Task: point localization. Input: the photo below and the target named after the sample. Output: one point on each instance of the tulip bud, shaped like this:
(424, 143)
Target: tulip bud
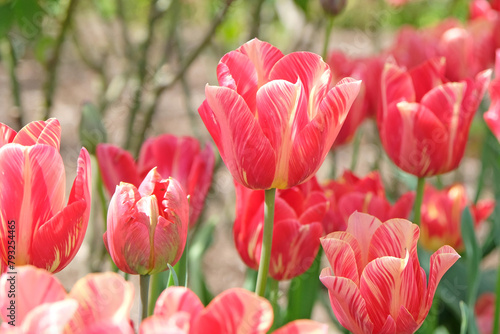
(333, 7)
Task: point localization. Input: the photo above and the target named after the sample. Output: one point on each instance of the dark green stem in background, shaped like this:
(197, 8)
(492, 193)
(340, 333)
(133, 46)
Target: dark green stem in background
(144, 284)
(14, 83)
(328, 32)
(267, 242)
(53, 61)
(417, 208)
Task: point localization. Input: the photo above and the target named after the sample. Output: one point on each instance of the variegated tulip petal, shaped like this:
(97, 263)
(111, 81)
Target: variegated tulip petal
(492, 116)
(103, 298)
(343, 252)
(427, 76)
(116, 165)
(386, 285)
(40, 132)
(294, 248)
(6, 134)
(66, 230)
(36, 175)
(177, 324)
(311, 71)
(178, 299)
(362, 227)
(264, 56)
(238, 137)
(396, 86)
(50, 318)
(389, 326)
(235, 311)
(347, 303)
(475, 91)
(441, 261)
(406, 324)
(34, 287)
(303, 327)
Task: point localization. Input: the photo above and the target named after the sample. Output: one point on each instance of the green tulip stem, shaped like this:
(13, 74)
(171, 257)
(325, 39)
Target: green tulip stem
(267, 241)
(417, 208)
(328, 32)
(144, 284)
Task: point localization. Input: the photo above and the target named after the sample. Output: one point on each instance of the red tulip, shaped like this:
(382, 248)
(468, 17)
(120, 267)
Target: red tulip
(274, 117)
(442, 216)
(375, 282)
(484, 310)
(492, 116)
(424, 122)
(177, 157)
(46, 233)
(147, 227)
(178, 310)
(350, 193)
(297, 228)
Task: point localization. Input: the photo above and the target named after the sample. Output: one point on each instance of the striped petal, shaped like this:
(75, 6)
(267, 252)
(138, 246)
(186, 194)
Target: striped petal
(427, 76)
(116, 165)
(245, 150)
(33, 184)
(396, 86)
(34, 287)
(303, 327)
(362, 227)
(177, 324)
(492, 116)
(7, 135)
(347, 303)
(104, 298)
(441, 261)
(50, 318)
(58, 240)
(343, 252)
(178, 299)
(40, 132)
(264, 56)
(235, 311)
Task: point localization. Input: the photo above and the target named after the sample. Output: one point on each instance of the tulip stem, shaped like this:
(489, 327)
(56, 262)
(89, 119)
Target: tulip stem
(496, 318)
(418, 200)
(267, 241)
(144, 283)
(273, 298)
(328, 32)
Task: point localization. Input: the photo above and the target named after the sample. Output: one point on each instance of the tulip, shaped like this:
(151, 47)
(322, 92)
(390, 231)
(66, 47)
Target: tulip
(179, 310)
(350, 193)
(424, 122)
(274, 117)
(375, 282)
(46, 233)
(147, 227)
(299, 212)
(484, 311)
(442, 216)
(177, 157)
(492, 116)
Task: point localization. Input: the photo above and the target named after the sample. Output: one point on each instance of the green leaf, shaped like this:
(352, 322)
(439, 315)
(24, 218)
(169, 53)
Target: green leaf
(473, 254)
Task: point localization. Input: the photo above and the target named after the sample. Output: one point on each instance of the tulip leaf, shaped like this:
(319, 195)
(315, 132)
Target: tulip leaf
(174, 280)
(473, 255)
(468, 324)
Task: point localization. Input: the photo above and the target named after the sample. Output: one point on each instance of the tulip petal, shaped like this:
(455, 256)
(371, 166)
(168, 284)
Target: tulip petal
(303, 327)
(7, 135)
(104, 298)
(405, 323)
(246, 151)
(362, 227)
(347, 303)
(177, 324)
(403, 206)
(441, 261)
(35, 174)
(40, 132)
(397, 86)
(235, 311)
(50, 318)
(492, 116)
(178, 299)
(427, 76)
(116, 165)
(58, 240)
(343, 252)
(264, 56)
(394, 238)
(34, 287)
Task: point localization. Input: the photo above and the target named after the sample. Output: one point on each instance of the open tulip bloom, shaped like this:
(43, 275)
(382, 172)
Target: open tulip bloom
(492, 116)
(47, 233)
(274, 117)
(375, 282)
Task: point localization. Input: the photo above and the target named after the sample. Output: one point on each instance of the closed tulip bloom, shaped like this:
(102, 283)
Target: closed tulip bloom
(298, 214)
(179, 157)
(274, 117)
(424, 122)
(492, 116)
(46, 232)
(147, 226)
(375, 282)
(442, 216)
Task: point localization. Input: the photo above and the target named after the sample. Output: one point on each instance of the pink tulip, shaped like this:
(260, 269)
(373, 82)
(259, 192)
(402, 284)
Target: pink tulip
(484, 311)
(47, 233)
(147, 227)
(235, 311)
(492, 116)
(375, 282)
(274, 117)
(298, 214)
(177, 157)
(424, 122)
